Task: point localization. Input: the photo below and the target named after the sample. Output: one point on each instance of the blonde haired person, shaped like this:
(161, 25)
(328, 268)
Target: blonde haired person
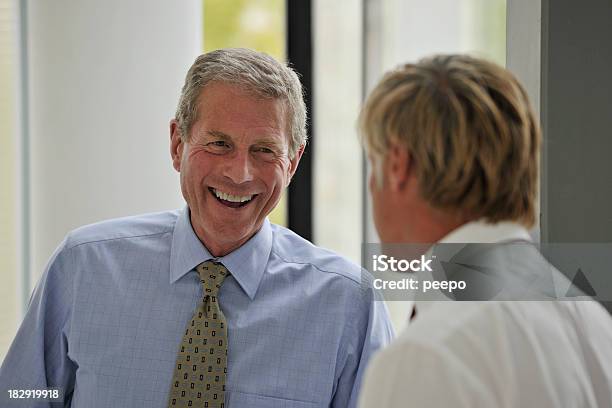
(454, 147)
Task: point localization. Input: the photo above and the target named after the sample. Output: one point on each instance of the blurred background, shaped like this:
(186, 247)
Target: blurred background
(87, 89)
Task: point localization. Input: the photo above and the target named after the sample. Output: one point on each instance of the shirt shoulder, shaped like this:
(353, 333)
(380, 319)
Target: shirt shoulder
(447, 325)
(123, 228)
(418, 372)
(452, 346)
(548, 321)
(292, 248)
(487, 344)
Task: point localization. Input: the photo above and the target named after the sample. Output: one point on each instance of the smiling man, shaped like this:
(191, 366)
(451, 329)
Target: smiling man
(235, 160)
(212, 305)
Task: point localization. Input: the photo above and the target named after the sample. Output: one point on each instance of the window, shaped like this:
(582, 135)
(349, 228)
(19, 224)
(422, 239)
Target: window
(388, 33)
(337, 168)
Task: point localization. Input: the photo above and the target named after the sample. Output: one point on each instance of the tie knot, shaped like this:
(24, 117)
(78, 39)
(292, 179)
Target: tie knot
(212, 275)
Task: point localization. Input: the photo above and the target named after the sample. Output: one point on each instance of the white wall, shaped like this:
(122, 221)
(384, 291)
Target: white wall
(104, 82)
(10, 197)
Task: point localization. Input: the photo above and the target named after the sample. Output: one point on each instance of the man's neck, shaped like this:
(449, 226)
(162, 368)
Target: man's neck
(216, 248)
(432, 226)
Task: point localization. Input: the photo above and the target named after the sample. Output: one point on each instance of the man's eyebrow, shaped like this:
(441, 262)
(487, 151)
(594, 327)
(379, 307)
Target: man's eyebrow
(268, 142)
(219, 134)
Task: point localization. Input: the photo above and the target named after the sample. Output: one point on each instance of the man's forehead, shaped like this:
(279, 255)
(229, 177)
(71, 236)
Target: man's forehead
(229, 91)
(242, 108)
(231, 111)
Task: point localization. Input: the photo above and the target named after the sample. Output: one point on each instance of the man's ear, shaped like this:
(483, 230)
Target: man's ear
(399, 165)
(293, 163)
(176, 145)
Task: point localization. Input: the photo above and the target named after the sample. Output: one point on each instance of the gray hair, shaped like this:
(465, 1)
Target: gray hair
(256, 72)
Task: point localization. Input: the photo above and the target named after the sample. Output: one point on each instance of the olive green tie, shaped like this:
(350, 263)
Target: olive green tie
(201, 364)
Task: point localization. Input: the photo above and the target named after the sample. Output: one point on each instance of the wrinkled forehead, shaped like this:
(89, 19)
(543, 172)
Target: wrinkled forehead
(223, 104)
(244, 88)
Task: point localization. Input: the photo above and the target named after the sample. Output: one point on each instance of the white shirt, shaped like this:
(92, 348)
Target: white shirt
(496, 354)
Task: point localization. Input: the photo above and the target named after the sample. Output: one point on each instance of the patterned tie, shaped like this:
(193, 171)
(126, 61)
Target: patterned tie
(201, 364)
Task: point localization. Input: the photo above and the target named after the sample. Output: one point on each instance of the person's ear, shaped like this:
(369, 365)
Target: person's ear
(176, 145)
(399, 165)
(293, 164)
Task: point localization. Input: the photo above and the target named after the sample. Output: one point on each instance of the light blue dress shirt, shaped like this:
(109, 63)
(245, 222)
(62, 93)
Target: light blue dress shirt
(106, 320)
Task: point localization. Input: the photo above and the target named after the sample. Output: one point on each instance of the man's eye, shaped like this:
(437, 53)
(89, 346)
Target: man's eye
(218, 145)
(265, 150)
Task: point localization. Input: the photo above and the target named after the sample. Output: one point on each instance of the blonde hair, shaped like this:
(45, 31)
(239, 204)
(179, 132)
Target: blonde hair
(470, 131)
(254, 71)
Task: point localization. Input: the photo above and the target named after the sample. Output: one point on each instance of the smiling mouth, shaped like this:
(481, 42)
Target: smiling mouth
(230, 200)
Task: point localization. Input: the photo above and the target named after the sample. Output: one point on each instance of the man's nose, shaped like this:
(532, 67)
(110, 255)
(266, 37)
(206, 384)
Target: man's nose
(239, 168)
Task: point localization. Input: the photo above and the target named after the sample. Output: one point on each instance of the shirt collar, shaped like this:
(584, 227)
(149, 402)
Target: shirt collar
(477, 232)
(484, 233)
(246, 263)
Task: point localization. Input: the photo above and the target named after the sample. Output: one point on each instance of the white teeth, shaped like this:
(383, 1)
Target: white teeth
(232, 198)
